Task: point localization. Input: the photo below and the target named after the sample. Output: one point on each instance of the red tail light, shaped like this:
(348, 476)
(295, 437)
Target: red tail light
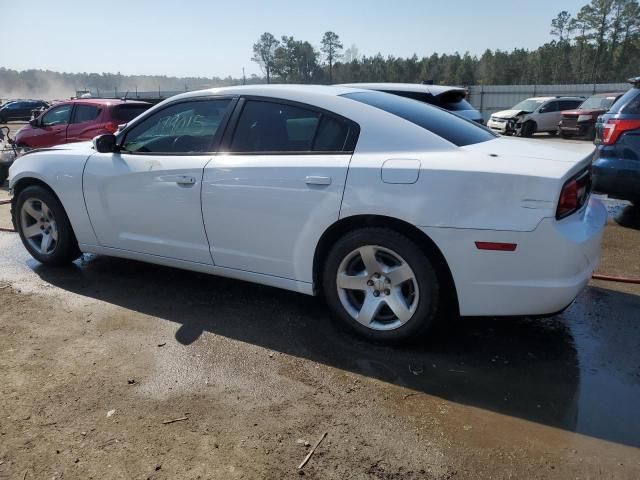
(612, 130)
(111, 127)
(574, 194)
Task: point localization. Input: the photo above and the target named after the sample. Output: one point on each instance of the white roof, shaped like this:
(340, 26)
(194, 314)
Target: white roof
(278, 90)
(376, 124)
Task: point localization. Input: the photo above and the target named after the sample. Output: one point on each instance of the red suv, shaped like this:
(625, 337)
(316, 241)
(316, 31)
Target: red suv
(77, 120)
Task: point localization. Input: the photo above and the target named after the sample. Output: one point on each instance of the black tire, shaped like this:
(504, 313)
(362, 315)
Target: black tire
(424, 316)
(553, 133)
(591, 133)
(565, 135)
(65, 249)
(528, 129)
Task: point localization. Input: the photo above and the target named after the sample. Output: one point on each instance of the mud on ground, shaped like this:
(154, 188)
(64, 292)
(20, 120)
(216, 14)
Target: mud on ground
(97, 356)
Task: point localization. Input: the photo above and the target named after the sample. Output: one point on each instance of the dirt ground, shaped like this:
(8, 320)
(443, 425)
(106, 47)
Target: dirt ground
(97, 357)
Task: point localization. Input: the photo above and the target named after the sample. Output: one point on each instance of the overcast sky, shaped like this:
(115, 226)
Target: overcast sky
(215, 38)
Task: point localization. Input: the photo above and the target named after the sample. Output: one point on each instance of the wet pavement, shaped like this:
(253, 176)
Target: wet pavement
(570, 383)
(578, 371)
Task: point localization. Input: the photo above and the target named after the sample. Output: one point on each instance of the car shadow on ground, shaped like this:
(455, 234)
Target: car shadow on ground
(531, 369)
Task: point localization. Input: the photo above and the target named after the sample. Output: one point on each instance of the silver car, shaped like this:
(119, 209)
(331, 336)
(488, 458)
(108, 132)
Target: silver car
(536, 114)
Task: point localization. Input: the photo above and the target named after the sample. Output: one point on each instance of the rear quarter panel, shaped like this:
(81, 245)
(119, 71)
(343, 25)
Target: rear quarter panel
(456, 189)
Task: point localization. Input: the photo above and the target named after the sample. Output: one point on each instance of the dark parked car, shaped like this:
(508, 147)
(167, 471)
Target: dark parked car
(77, 120)
(616, 168)
(581, 122)
(20, 109)
(449, 98)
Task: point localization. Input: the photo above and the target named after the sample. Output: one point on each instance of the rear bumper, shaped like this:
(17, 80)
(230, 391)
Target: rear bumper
(550, 266)
(617, 177)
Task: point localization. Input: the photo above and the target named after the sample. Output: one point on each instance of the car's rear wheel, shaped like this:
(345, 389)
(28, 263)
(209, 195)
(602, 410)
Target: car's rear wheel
(382, 285)
(44, 227)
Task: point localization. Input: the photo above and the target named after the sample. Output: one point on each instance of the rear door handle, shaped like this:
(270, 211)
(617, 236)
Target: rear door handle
(185, 180)
(317, 180)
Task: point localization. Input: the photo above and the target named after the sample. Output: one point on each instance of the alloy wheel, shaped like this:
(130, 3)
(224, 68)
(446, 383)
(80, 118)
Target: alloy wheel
(377, 287)
(39, 226)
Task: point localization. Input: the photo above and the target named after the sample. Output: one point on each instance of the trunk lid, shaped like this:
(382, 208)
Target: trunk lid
(534, 157)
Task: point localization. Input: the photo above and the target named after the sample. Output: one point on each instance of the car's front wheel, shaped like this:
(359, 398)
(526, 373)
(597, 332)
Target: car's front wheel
(382, 285)
(528, 129)
(44, 227)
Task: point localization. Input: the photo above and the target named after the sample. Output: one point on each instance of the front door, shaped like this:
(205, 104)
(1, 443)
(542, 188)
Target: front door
(52, 129)
(146, 198)
(548, 117)
(267, 201)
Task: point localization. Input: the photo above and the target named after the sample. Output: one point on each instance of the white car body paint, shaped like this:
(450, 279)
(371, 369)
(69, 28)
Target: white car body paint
(260, 217)
(147, 204)
(261, 214)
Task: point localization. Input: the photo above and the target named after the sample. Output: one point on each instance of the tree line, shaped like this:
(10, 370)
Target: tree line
(599, 43)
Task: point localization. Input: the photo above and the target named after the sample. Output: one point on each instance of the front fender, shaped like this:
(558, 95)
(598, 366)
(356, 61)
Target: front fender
(61, 171)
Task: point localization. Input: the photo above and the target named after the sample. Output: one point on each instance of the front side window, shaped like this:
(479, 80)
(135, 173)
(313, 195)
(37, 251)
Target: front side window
(549, 107)
(269, 127)
(85, 113)
(188, 127)
(57, 116)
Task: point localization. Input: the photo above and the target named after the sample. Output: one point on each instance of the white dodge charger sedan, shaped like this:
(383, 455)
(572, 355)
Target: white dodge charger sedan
(389, 207)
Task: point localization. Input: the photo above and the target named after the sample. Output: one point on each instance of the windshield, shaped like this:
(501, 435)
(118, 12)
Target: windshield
(452, 128)
(528, 105)
(599, 103)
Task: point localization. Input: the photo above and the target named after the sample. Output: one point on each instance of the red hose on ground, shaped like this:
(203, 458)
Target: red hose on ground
(613, 278)
(5, 202)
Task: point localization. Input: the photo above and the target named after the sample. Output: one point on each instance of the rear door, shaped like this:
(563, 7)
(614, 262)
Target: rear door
(84, 125)
(146, 197)
(277, 187)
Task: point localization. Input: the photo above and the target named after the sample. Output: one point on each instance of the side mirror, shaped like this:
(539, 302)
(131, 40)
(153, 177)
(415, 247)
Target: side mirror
(34, 122)
(105, 143)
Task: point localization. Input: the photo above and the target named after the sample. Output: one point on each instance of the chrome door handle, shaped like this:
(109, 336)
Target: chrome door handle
(185, 180)
(317, 180)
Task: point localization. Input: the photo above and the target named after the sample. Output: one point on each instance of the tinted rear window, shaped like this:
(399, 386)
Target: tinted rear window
(628, 103)
(126, 113)
(452, 128)
(85, 113)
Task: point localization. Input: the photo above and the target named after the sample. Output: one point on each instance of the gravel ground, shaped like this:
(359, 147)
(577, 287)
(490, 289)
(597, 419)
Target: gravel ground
(97, 356)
